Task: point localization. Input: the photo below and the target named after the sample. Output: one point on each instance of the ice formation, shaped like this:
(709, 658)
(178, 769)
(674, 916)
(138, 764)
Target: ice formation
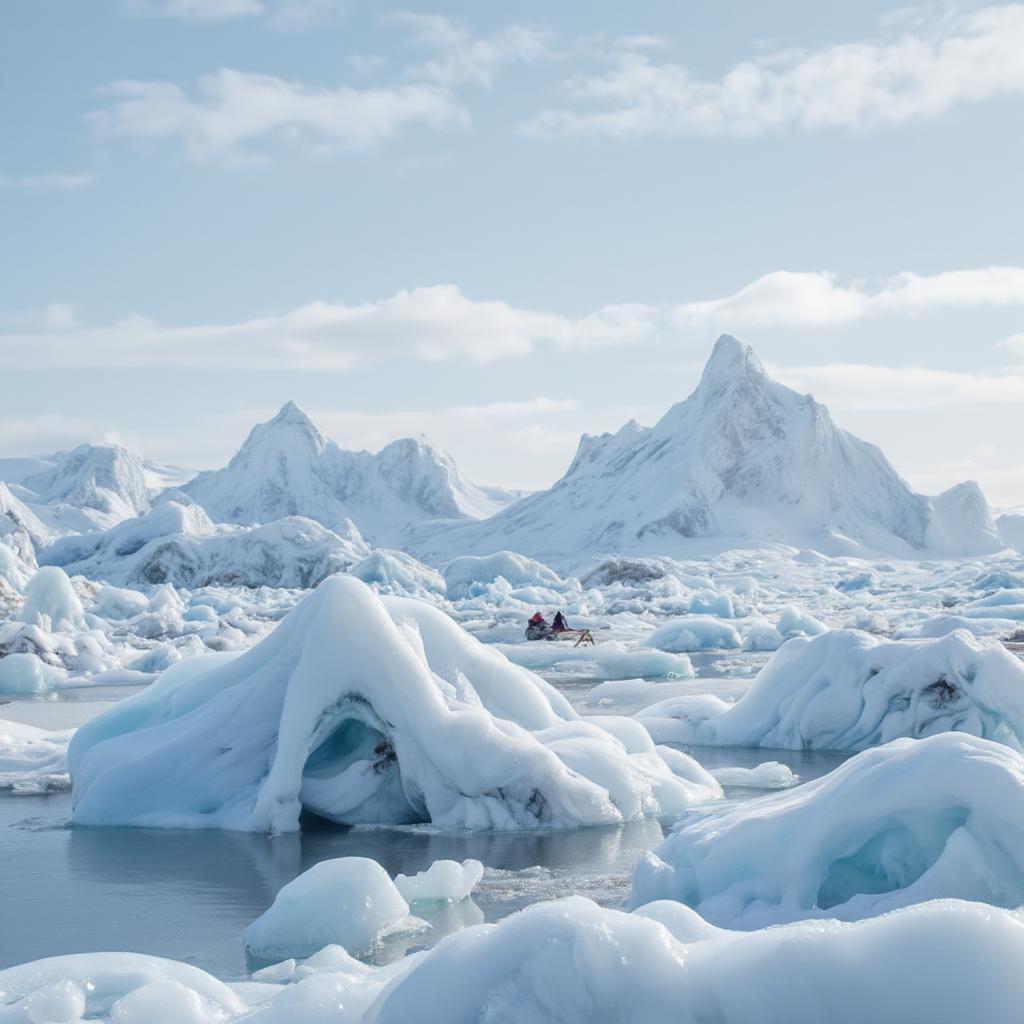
(470, 575)
(695, 633)
(911, 821)
(445, 881)
(32, 760)
(51, 602)
(348, 901)
(366, 709)
(847, 690)
(395, 572)
(178, 544)
(571, 962)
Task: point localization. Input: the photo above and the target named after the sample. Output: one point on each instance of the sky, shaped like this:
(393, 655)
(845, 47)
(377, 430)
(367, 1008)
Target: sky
(503, 225)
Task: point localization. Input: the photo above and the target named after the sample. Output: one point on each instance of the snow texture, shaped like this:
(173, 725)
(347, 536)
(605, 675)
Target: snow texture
(365, 709)
(445, 881)
(32, 760)
(348, 901)
(911, 821)
(742, 458)
(847, 690)
(179, 544)
(572, 962)
(286, 467)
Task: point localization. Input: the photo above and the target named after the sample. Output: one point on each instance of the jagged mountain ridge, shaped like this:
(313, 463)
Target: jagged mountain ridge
(286, 467)
(743, 458)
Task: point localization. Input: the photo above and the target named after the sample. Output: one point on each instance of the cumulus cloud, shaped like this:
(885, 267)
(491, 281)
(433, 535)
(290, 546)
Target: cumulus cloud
(430, 324)
(959, 57)
(465, 59)
(862, 387)
(234, 117)
(817, 299)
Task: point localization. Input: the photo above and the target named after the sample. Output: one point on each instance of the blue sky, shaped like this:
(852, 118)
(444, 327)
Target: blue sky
(506, 224)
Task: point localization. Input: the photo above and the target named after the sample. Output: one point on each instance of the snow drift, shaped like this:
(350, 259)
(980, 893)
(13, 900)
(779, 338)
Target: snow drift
(365, 709)
(743, 458)
(847, 690)
(914, 820)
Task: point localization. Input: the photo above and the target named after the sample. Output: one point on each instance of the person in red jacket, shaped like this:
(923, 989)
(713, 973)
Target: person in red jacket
(537, 628)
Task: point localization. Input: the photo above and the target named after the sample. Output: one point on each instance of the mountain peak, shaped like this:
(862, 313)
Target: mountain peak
(290, 414)
(729, 358)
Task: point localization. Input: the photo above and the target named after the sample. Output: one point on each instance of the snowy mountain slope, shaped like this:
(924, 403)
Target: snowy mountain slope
(744, 458)
(90, 487)
(179, 544)
(287, 467)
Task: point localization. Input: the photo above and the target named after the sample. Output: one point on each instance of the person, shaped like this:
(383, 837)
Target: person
(537, 628)
(560, 625)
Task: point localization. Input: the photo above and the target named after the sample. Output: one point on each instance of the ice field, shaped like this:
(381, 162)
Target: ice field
(261, 762)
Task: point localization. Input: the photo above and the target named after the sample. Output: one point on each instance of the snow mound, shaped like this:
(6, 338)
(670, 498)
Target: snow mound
(348, 901)
(695, 633)
(22, 672)
(471, 575)
(1011, 529)
(743, 459)
(570, 961)
(32, 760)
(286, 467)
(445, 881)
(847, 690)
(178, 544)
(395, 572)
(364, 709)
(912, 821)
(122, 988)
(51, 602)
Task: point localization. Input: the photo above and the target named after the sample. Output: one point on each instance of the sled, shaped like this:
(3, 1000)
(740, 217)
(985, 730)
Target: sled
(582, 637)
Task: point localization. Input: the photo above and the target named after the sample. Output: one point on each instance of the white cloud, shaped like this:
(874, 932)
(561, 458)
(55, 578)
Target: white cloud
(860, 387)
(57, 316)
(234, 116)
(1014, 343)
(284, 14)
(430, 324)
(47, 181)
(465, 59)
(960, 57)
(50, 432)
(816, 299)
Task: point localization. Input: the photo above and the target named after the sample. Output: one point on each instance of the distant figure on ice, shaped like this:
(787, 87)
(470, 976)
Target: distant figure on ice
(537, 628)
(560, 625)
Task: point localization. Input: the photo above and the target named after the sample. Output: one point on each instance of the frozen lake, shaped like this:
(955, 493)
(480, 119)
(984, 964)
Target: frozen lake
(189, 895)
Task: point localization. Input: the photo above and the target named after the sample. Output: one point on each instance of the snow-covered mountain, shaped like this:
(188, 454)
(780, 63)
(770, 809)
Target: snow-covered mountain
(90, 487)
(174, 543)
(743, 458)
(286, 467)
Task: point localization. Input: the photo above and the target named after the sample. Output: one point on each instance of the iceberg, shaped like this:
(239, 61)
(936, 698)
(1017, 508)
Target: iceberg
(912, 821)
(695, 633)
(848, 690)
(348, 901)
(367, 710)
(445, 881)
